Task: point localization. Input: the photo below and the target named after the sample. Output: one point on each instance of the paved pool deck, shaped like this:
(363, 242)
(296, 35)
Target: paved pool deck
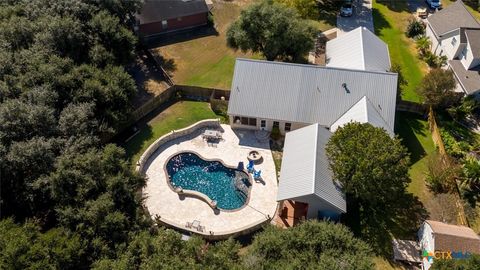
(176, 210)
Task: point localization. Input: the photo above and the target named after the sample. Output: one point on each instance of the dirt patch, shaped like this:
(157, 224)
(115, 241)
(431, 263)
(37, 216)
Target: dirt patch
(320, 47)
(148, 79)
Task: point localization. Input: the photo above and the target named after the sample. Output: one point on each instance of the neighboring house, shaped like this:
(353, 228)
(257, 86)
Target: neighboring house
(305, 175)
(358, 49)
(455, 33)
(268, 94)
(158, 17)
(435, 236)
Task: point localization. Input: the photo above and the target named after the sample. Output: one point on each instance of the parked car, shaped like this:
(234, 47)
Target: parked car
(347, 9)
(434, 3)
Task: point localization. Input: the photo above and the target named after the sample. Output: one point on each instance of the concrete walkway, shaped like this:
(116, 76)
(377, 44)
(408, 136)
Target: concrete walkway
(362, 16)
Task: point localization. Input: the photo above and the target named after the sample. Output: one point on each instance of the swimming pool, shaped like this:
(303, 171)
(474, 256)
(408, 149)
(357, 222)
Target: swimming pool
(229, 187)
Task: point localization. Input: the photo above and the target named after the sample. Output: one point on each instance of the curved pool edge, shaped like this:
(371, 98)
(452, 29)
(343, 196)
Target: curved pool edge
(174, 134)
(205, 197)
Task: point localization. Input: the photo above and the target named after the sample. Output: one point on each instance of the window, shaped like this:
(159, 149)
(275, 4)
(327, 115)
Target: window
(179, 19)
(236, 119)
(244, 120)
(464, 52)
(263, 123)
(288, 126)
(454, 41)
(276, 124)
(164, 24)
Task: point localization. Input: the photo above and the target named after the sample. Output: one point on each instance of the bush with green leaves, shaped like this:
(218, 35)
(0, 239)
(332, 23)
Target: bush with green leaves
(274, 30)
(470, 263)
(415, 28)
(441, 173)
(310, 245)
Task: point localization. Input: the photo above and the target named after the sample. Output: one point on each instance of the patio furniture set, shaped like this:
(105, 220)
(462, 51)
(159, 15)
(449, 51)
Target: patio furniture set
(195, 225)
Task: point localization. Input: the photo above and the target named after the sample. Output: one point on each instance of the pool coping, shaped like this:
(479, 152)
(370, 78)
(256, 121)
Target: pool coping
(200, 195)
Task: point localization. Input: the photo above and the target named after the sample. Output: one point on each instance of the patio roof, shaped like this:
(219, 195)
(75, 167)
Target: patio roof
(305, 169)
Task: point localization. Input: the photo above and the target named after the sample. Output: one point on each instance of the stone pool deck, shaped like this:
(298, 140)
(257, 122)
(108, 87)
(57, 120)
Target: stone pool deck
(176, 210)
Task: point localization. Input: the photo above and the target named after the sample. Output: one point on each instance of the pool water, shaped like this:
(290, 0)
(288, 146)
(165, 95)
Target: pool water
(229, 187)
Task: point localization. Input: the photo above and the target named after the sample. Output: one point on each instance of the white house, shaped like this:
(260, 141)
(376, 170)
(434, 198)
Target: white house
(305, 175)
(358, 49)
(455, 33)
(440, 240)
(265, 94)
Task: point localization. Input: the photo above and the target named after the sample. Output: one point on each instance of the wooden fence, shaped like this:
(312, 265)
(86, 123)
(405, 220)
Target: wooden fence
(436, 136)
(413, 107)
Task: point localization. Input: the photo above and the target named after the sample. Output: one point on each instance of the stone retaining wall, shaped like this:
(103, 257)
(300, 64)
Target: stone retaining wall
(174, 134)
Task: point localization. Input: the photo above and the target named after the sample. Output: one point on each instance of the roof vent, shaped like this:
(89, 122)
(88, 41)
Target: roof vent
(238, 89)
(318, 89)
(344, 85)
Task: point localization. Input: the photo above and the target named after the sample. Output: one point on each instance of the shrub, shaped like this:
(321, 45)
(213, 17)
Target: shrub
(441, 173)
(275, 134)
(415, 28)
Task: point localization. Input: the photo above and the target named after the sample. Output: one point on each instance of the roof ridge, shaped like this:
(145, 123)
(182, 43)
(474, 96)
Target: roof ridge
(379, 114)
(468, 11)
(362, 40)
(317, 126)
(347, 110)
(314, 66)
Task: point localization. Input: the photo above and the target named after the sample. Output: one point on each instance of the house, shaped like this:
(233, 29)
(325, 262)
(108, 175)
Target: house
(358, 49)
(440, 240)
(289, 96)
(158, 17)
(455, 33)
(305, 176)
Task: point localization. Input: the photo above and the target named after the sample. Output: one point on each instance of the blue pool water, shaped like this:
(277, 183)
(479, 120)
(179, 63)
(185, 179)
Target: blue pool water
(229, 187)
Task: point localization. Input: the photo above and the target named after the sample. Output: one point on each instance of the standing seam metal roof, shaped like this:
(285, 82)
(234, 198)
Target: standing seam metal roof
(358, 49)
(306, 93)
(305, 169)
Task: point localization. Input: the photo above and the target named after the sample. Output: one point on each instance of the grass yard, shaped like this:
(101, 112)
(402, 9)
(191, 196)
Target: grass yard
(390, 20)
(205, 60)
(177, 116)
(414, 132)
(416, 136)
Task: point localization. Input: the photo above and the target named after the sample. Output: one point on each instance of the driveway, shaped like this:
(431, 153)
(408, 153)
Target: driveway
(362, 16)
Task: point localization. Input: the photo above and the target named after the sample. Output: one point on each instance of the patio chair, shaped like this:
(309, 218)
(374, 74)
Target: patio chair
(188, 225)
(257, 174)
(250, 167)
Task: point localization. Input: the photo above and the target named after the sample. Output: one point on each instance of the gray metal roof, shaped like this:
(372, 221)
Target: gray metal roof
(158, 10)
(306, 93)
(358, 49)
(363, 112)
(451, 18)
(305, 169)
(473, 36)
(469, 79)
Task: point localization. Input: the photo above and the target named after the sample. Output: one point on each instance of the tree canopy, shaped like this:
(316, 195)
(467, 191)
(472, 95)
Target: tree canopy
(310, 245)
(437, 88)
(272, 29)
(471, 263)
(371, 166)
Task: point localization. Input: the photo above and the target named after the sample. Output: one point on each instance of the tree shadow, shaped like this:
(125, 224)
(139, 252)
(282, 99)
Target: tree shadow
(406, 126)
(397, 5)
(180, 36)
(379, 226)
(379, 22)
(328, 10)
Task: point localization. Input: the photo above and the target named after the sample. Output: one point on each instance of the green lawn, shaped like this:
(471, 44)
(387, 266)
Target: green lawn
(177, 116)
(414, 132)
(390, 21)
